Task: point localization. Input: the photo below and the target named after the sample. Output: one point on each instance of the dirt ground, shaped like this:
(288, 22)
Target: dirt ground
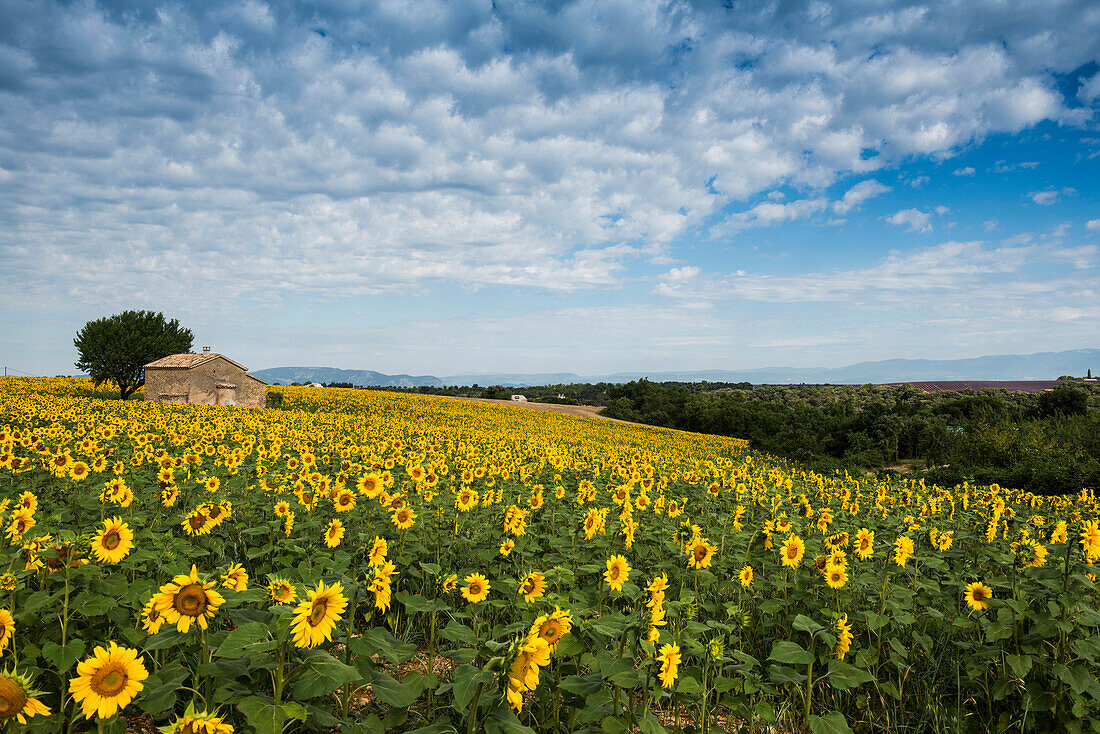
(580, 411)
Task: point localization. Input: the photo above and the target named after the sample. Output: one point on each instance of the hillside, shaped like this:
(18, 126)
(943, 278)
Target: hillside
(1043, 365)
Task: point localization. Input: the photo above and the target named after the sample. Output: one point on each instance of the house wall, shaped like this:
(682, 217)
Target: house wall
(200, 385)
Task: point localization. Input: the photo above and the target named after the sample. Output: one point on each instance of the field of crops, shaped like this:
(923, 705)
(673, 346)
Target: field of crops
(365, 562)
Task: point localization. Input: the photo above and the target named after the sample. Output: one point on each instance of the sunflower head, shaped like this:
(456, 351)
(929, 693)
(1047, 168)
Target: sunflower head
(17, 698)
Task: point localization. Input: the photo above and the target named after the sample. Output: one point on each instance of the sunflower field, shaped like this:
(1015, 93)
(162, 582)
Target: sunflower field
(362, 561)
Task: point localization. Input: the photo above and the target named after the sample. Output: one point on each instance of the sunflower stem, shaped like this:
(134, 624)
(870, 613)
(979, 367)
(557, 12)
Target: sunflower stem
(346, 703)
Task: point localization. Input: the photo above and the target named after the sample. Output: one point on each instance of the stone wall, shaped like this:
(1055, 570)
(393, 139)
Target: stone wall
(217, 382)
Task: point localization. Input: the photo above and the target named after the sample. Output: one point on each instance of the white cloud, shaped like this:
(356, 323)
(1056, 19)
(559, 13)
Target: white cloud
(1050, 196)
(854, 197)
(283, 151)
(990, 224)
(769, 213)
(967, 171)
(914, 219)
(1093, 225)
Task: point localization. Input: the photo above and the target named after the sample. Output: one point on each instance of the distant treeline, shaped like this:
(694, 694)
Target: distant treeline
(574, 394)
(1046, 442)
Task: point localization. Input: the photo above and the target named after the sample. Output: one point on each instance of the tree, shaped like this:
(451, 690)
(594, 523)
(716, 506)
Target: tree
(117, 348)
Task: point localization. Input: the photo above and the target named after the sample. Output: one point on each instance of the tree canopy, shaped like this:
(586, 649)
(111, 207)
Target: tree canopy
(117, 348)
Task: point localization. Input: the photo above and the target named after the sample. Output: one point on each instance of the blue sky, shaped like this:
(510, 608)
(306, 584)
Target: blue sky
(447, 187)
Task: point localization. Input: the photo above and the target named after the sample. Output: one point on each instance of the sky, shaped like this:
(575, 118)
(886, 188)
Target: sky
(471, 185)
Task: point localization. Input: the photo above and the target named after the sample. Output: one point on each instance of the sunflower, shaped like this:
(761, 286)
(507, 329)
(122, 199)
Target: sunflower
(700, 553)
(670, 658)
(113, 542)
(865, 543)
(745, 576)
(28, 501)
(281, 591)
(903, 549)
(836, 576)
(466, 500)
(196, 522)
(345, 500)
(551, 627)
(334, 533)
(792, 551)
(844, 636)
(507, 546)
(1090, 540)
(197, 722)
(79, 471)
(108, 681)
(7, 628)
(532, 586)
(403, 518)
(378, 552)
(450, 583)
(476, 588)
(288, 523)
(169, 496)
(282, 507)
(371, 486)
(618, 570)
(151, 618)
(236, 578)
(381, 585)
(523, 674)
(17, 699)
(211, 484)
(977, 596)
(21, 521)
(187, 601)
(316, 616)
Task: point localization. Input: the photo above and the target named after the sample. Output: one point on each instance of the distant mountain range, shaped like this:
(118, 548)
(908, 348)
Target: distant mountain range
(1041, 366)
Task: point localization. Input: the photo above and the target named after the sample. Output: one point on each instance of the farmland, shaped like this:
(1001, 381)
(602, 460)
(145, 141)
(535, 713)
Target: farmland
(365, 561)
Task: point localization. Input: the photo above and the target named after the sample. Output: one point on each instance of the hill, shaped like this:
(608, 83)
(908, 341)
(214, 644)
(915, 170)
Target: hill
(1043, 365)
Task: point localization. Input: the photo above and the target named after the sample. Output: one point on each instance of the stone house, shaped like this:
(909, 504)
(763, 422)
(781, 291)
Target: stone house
(206, 379)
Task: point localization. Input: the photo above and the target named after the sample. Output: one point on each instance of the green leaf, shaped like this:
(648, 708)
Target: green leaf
(466, 679)
(267, 717)
(164, 639)
(833, 723)
(380, 641)
(250, 640)
(159, 696)
(65, 657)
(688, 684)
(459, 633)
(843, 676)
(502, 720)
(93, 605)
(791, 653)
(783, 674)
(1020, 664)
(802, 623)
(436, 728)
(415, 603)
(321, 673)
(390, 690)
(582, 685)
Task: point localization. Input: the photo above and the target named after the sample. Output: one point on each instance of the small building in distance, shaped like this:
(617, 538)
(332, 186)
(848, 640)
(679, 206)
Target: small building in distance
(519, 398)
(205, 379)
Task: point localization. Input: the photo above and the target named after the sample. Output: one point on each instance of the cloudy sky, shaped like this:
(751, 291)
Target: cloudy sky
(469, 185)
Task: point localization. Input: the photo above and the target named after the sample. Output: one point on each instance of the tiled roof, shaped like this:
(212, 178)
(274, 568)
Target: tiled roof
(188, 361)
